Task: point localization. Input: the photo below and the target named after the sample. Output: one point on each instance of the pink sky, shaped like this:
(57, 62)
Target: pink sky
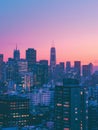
(34, 24)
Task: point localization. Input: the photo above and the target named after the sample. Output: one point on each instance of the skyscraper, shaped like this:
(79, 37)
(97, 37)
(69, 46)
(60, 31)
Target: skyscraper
(22, 66)
(92, 114)
(16, 54)
(52, 58)
(87, 70)
(1, 68)
(77, 67)
(68, 106)
(1, 58)
(68, 66)
(11, 71)
(31, 58)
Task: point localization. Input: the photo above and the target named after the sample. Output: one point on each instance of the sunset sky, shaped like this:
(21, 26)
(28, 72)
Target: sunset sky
(72, 24)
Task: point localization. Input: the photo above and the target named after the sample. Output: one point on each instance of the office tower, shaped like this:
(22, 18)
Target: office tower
(58, 101)
(1, 68)
(77, 68)
(68, 66)
(1, 58)
(22, 71)
(59, 73)
(62, 66)
(40, 74)
(84, 108)
(31, 58)
(44, 63)
(14, 111)
(22, 66)
(28, 80)
(16, 54)
(11, 71)
(68, 106)
(52, 58)
(87, 70)
(92, 114)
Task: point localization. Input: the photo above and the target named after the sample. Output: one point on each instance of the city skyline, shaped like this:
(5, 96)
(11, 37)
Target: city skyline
(34, 24)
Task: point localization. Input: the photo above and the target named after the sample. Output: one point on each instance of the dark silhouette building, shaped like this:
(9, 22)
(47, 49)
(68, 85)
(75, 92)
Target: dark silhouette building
(52, 58)
(92, 114)
(68, 66)
(16, 54)
(77, 68)
(31, 58)
(40, 71)
(2, 67)
(12, 71)
(14, 111)
(87, 70)
(68, 106)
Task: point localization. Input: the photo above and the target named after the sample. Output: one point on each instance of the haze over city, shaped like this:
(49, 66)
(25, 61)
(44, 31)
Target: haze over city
(73, 25)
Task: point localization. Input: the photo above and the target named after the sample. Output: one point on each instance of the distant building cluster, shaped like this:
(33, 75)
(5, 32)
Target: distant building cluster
(37, 95)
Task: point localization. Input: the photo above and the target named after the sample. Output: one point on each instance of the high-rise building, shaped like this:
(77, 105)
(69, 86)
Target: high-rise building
(40, 74)
(59, 73)
(77, 68)
(22, 71)
(44, 64)
(16, 54)
(14, 111)
(22, 66)
(31, 58)
(62, 65)
(52, 58)
(1, 58)
(68, 106)
(68, 66)
(87, 70)
(1, 68)
(58, 101)
(92, 114)
(11, 71)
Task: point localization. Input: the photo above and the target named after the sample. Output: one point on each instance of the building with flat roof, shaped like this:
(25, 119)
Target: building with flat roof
(14, 111)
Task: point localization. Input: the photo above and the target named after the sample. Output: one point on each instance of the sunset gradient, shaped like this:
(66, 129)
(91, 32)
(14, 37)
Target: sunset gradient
(73, 25)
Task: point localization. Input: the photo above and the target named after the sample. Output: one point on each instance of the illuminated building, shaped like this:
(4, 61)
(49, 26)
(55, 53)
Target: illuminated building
(92, 114)
(68, 106)
(22, 66)
(14, 111)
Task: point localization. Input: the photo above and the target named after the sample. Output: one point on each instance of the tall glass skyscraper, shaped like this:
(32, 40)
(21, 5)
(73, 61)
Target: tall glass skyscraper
(69, 100)
(16, 54)
(31, 58)
(52, 58)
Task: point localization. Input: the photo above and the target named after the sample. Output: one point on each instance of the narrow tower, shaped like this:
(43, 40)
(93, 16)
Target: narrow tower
(52, 58)
(16, 54)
